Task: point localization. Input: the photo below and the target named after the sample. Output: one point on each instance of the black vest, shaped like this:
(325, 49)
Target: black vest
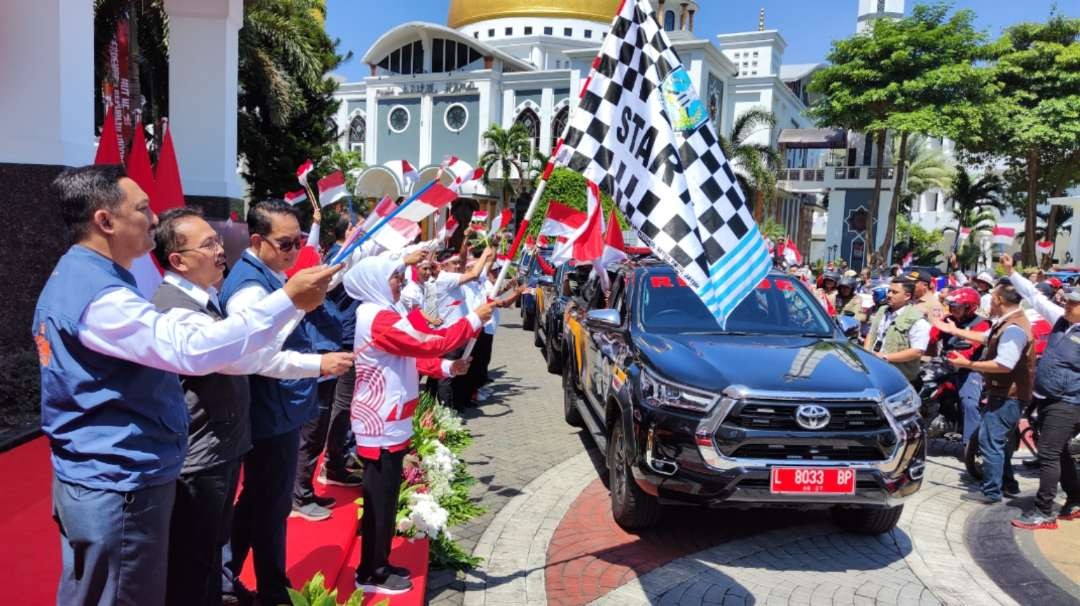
(1057, 377)
(220, 429)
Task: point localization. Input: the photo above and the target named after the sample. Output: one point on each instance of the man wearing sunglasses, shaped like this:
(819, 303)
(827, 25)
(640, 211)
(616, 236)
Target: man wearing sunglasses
(219, 404)
(279, 407)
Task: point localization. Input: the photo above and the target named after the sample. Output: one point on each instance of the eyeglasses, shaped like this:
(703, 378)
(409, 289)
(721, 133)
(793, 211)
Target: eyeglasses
(287, 245)
(209, 246)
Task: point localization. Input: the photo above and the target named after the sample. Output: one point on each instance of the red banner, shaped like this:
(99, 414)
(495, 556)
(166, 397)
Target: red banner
(116, 88)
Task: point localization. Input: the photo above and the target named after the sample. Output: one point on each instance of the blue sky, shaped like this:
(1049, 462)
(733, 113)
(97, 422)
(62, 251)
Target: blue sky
(808, 25)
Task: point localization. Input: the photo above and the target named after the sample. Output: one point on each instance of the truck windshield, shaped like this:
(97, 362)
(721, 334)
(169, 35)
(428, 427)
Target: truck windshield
(778, 306)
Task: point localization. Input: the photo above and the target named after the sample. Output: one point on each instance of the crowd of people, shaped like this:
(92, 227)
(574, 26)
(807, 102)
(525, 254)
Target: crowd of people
(155, 405)
(979, 323)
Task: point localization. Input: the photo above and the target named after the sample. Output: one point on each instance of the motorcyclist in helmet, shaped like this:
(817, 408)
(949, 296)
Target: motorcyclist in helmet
(962, 305)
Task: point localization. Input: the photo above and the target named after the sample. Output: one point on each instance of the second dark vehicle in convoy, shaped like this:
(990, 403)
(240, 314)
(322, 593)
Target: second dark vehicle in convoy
(777, 409)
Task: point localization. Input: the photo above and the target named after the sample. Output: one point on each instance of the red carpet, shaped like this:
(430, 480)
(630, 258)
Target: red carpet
(30, 553)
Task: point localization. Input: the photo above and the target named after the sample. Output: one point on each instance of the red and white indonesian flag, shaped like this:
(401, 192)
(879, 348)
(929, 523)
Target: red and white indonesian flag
(500, 222)
(461, 180)
(908, 258)
(296, 197)
(1004, 235)
(409, 174)
(303, 172)
(433, 199)
(447, 162)
(791, 253)
(614, 247)
(332, 188)
(586, 243)
(479, 216)
(382, 209)
(561, 220)
(965, 233)
(448, 229)
(416, 326)
(1043, 247)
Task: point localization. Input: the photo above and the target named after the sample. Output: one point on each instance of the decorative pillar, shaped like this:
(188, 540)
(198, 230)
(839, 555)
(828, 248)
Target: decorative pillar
(203, 59)
(547, 114)
(691, 12)
(47, 117)
(47, 79)
(427, 120)
(373, 126)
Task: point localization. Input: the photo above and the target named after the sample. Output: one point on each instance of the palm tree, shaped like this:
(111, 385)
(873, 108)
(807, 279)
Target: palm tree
(974, 203)
(755, 164)
(924, 169)
(509, 150)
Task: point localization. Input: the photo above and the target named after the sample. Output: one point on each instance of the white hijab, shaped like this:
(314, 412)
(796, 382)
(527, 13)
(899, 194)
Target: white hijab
(369, 281)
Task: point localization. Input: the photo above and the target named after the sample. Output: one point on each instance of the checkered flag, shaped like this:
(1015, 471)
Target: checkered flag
(642, 133)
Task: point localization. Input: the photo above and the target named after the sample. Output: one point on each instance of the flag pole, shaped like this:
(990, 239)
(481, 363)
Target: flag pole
(345, 252)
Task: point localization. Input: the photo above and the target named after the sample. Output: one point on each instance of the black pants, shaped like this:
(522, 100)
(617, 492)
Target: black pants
(199, 528)
(481, 357)
(382, 481)
(339, 433)
(454, 392)
(262, 511)
(1058, 423)
(312, 440)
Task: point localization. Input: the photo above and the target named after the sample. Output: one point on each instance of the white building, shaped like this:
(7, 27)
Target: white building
(433, 89)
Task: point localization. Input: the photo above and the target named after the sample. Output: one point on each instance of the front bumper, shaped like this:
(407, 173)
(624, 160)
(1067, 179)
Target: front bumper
(680, 460)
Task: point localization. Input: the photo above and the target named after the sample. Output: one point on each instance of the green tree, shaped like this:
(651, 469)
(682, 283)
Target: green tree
(755, 164)
(927, 169)
(974, 204)
(568, 187)
(509, 150)
(911, 75)
(286, 107)
(923, 243)
(1037, 114)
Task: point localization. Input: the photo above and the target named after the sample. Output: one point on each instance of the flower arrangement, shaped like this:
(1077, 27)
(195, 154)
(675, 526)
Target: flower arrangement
(435, 489)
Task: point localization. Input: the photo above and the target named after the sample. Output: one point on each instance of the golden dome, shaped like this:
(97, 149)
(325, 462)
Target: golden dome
(464, 12)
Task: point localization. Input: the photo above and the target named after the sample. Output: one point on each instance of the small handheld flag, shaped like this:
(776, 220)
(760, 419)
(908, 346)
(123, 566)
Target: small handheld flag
(296, 197)
(409, 174)
(303, 172)
(332, 188)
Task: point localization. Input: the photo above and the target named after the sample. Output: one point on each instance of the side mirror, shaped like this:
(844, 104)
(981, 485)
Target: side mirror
(603, 318)
(545, 280)
(849, 326)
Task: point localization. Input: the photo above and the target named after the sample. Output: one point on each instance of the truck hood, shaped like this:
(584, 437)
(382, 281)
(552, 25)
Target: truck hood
(773, 363)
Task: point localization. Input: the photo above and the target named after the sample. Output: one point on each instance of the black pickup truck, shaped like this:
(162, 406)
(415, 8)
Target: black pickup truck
(778, 409)
(552, 295)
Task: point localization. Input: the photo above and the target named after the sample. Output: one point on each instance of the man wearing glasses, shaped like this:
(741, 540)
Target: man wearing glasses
(899, 332)
(279, 407)
(220, 428)
(111, 404)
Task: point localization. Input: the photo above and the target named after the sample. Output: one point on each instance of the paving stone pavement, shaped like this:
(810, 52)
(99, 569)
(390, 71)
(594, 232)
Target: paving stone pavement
(532, 466)
(518, 435)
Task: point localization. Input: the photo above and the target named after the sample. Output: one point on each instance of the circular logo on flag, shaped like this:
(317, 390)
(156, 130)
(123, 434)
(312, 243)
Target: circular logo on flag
(684, 107)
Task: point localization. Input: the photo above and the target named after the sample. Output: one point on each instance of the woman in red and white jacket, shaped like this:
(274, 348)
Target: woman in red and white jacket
(391, 351)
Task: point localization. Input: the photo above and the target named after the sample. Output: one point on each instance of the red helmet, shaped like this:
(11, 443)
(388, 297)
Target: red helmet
(965, 296)
(1055, 283)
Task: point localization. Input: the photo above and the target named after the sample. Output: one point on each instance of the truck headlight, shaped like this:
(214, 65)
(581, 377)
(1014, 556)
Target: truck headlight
(665, 394)
(904, 403)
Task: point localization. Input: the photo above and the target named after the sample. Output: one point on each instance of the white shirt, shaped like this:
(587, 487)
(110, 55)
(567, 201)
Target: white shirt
(1043, 306)
(450, 298)
(412, 296)
(918, 335)
(271, 361)
(121, 324)
(245, 365)
(1010, 346)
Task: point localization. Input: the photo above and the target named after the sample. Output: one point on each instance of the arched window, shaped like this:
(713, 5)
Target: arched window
(531, 122)
(669, 21)
(357, 133)
(558, 125)
(408, 59)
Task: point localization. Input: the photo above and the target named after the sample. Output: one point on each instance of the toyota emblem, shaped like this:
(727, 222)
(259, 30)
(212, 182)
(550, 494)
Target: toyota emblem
(812, 416)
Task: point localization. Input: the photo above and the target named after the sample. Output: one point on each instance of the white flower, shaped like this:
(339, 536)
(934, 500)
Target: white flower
(426, 516)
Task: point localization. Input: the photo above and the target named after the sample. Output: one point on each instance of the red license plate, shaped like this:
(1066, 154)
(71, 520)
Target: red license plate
(812, 480)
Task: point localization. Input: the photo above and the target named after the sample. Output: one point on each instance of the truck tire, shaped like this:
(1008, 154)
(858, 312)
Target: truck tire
(552, 357)
(631, 507)
(570, 399)
(867, 520)
(528, 319)
(537, 341)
